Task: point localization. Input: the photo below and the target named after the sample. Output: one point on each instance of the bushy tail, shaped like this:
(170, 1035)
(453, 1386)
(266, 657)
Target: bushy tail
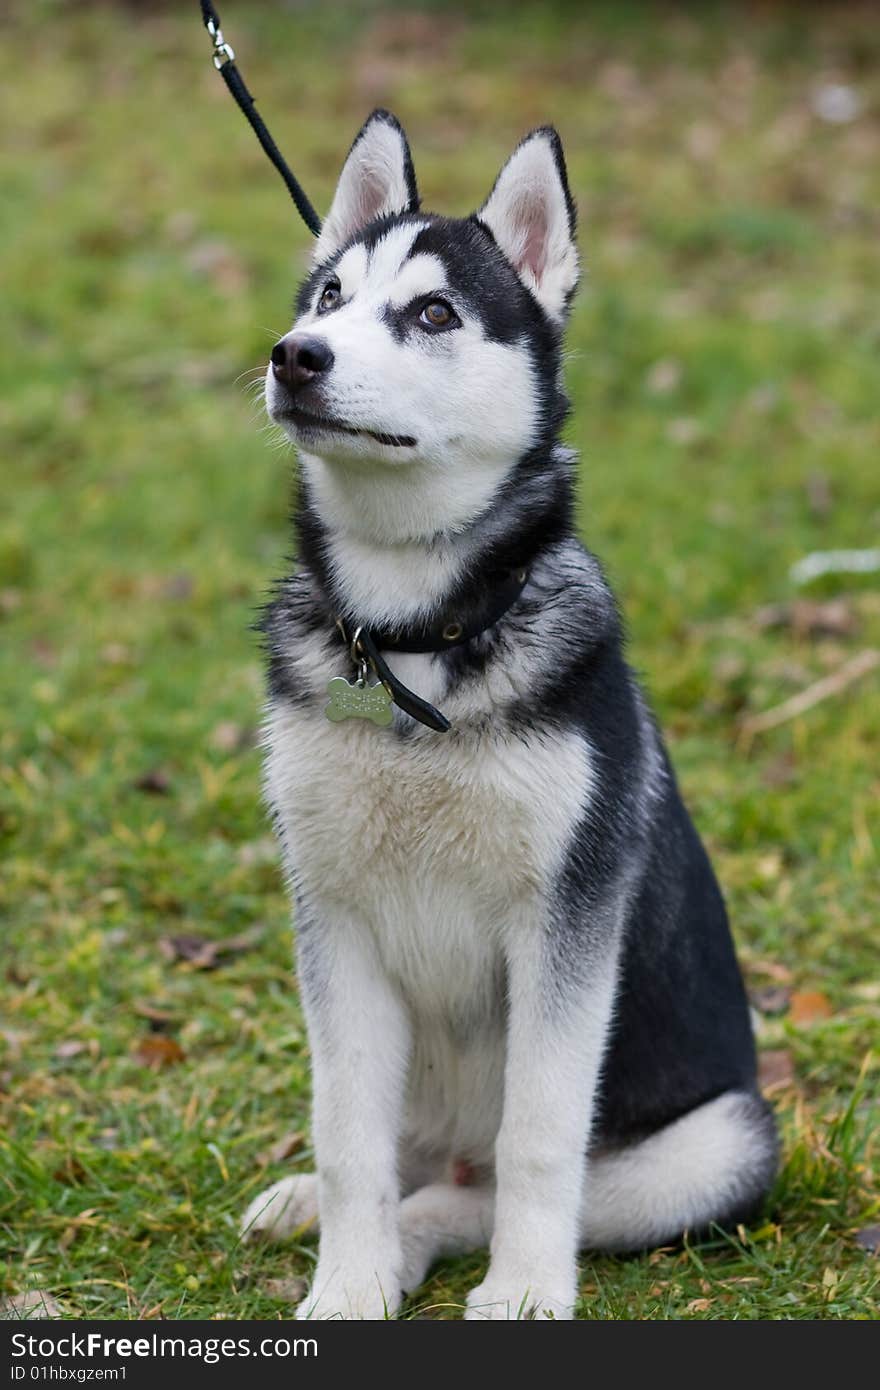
(714, 1165)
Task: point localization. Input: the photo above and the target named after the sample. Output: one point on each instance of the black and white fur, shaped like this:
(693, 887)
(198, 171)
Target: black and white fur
(513, 955)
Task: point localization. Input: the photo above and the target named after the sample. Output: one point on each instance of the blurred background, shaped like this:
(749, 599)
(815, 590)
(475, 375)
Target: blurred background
(723, 369)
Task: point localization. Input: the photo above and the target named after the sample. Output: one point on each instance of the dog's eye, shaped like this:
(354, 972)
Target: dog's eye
(438, 314)
(330, 297)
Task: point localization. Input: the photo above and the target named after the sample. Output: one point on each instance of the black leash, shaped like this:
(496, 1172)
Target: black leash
(224, 62)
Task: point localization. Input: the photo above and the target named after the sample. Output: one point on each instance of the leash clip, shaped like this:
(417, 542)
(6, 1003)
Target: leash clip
(223, 53)
(359, 659)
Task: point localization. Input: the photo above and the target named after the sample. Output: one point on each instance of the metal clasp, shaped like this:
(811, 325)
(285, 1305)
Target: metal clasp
(223, 53)
(358, 657)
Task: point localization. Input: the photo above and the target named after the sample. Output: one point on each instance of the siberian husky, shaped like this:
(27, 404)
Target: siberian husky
(527, 1025)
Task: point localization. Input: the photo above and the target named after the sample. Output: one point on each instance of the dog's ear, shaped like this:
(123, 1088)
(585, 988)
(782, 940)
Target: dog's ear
(377, 180)
(531, 215)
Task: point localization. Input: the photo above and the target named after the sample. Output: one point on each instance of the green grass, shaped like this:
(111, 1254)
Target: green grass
(149, 255)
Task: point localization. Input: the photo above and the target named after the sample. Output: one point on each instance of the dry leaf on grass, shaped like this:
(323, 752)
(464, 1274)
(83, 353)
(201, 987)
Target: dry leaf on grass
(698, 1305)
(157, 1051)
(72, 1047)
(35, 1303)
(203, 952)
(286, 1147)
(159, 1019)
(809, 1006)
(286, 1290)
(775, 1069)
(806, 618)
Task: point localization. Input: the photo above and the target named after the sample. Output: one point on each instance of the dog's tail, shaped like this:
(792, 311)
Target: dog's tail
(713, 1166)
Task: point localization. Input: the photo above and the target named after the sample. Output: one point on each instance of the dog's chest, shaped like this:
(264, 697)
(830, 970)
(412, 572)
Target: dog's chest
(432, 839)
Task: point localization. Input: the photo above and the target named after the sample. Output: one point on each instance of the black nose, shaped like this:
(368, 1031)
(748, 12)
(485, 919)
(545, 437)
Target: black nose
(299, 357)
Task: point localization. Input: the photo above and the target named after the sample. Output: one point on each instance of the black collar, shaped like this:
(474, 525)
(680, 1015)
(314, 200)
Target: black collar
(451, 629)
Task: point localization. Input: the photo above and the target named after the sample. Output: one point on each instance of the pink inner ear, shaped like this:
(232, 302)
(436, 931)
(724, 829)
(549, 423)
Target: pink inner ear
(533, 255)
(370, 201)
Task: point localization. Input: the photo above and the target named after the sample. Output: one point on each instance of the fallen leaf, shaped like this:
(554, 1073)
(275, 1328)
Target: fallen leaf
(806, 618)
(71, 1048)
(771, 999)
(286, 1290)
(809, 1006)
(203, 952)
(698, 1305)
(869, 1239)
(286, 1146)
(159, 1018)
(35, 1303)
(775, 1069)
(197, 950)
(157, 1051)
(155, 781)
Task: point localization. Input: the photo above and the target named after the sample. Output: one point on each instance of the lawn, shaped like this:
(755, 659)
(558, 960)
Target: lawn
(723, 368)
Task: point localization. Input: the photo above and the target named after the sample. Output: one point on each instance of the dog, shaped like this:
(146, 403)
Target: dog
(527, 1024)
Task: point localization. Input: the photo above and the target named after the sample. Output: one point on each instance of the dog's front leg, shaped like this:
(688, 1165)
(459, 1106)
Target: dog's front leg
(359, 1039)
(558, 1017)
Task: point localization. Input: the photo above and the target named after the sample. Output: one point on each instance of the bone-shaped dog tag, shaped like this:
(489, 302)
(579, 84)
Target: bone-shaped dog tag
(357, 700)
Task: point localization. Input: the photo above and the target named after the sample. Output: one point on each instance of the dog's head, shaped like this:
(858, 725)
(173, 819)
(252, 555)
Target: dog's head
(429, 346)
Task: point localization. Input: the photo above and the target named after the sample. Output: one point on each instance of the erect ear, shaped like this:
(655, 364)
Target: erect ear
(531, 215)
(377, 180)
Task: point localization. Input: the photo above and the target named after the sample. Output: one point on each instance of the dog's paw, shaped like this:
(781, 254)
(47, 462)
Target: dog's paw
(285, 1207)
(504, 1299)
(362, 1295)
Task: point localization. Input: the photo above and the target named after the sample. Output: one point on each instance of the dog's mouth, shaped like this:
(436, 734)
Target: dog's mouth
(307, 423)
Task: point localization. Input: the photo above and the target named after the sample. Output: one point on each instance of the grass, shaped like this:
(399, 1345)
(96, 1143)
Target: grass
(723, 370)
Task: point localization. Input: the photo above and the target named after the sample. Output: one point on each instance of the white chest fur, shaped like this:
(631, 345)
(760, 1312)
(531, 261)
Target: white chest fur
(432, 841)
